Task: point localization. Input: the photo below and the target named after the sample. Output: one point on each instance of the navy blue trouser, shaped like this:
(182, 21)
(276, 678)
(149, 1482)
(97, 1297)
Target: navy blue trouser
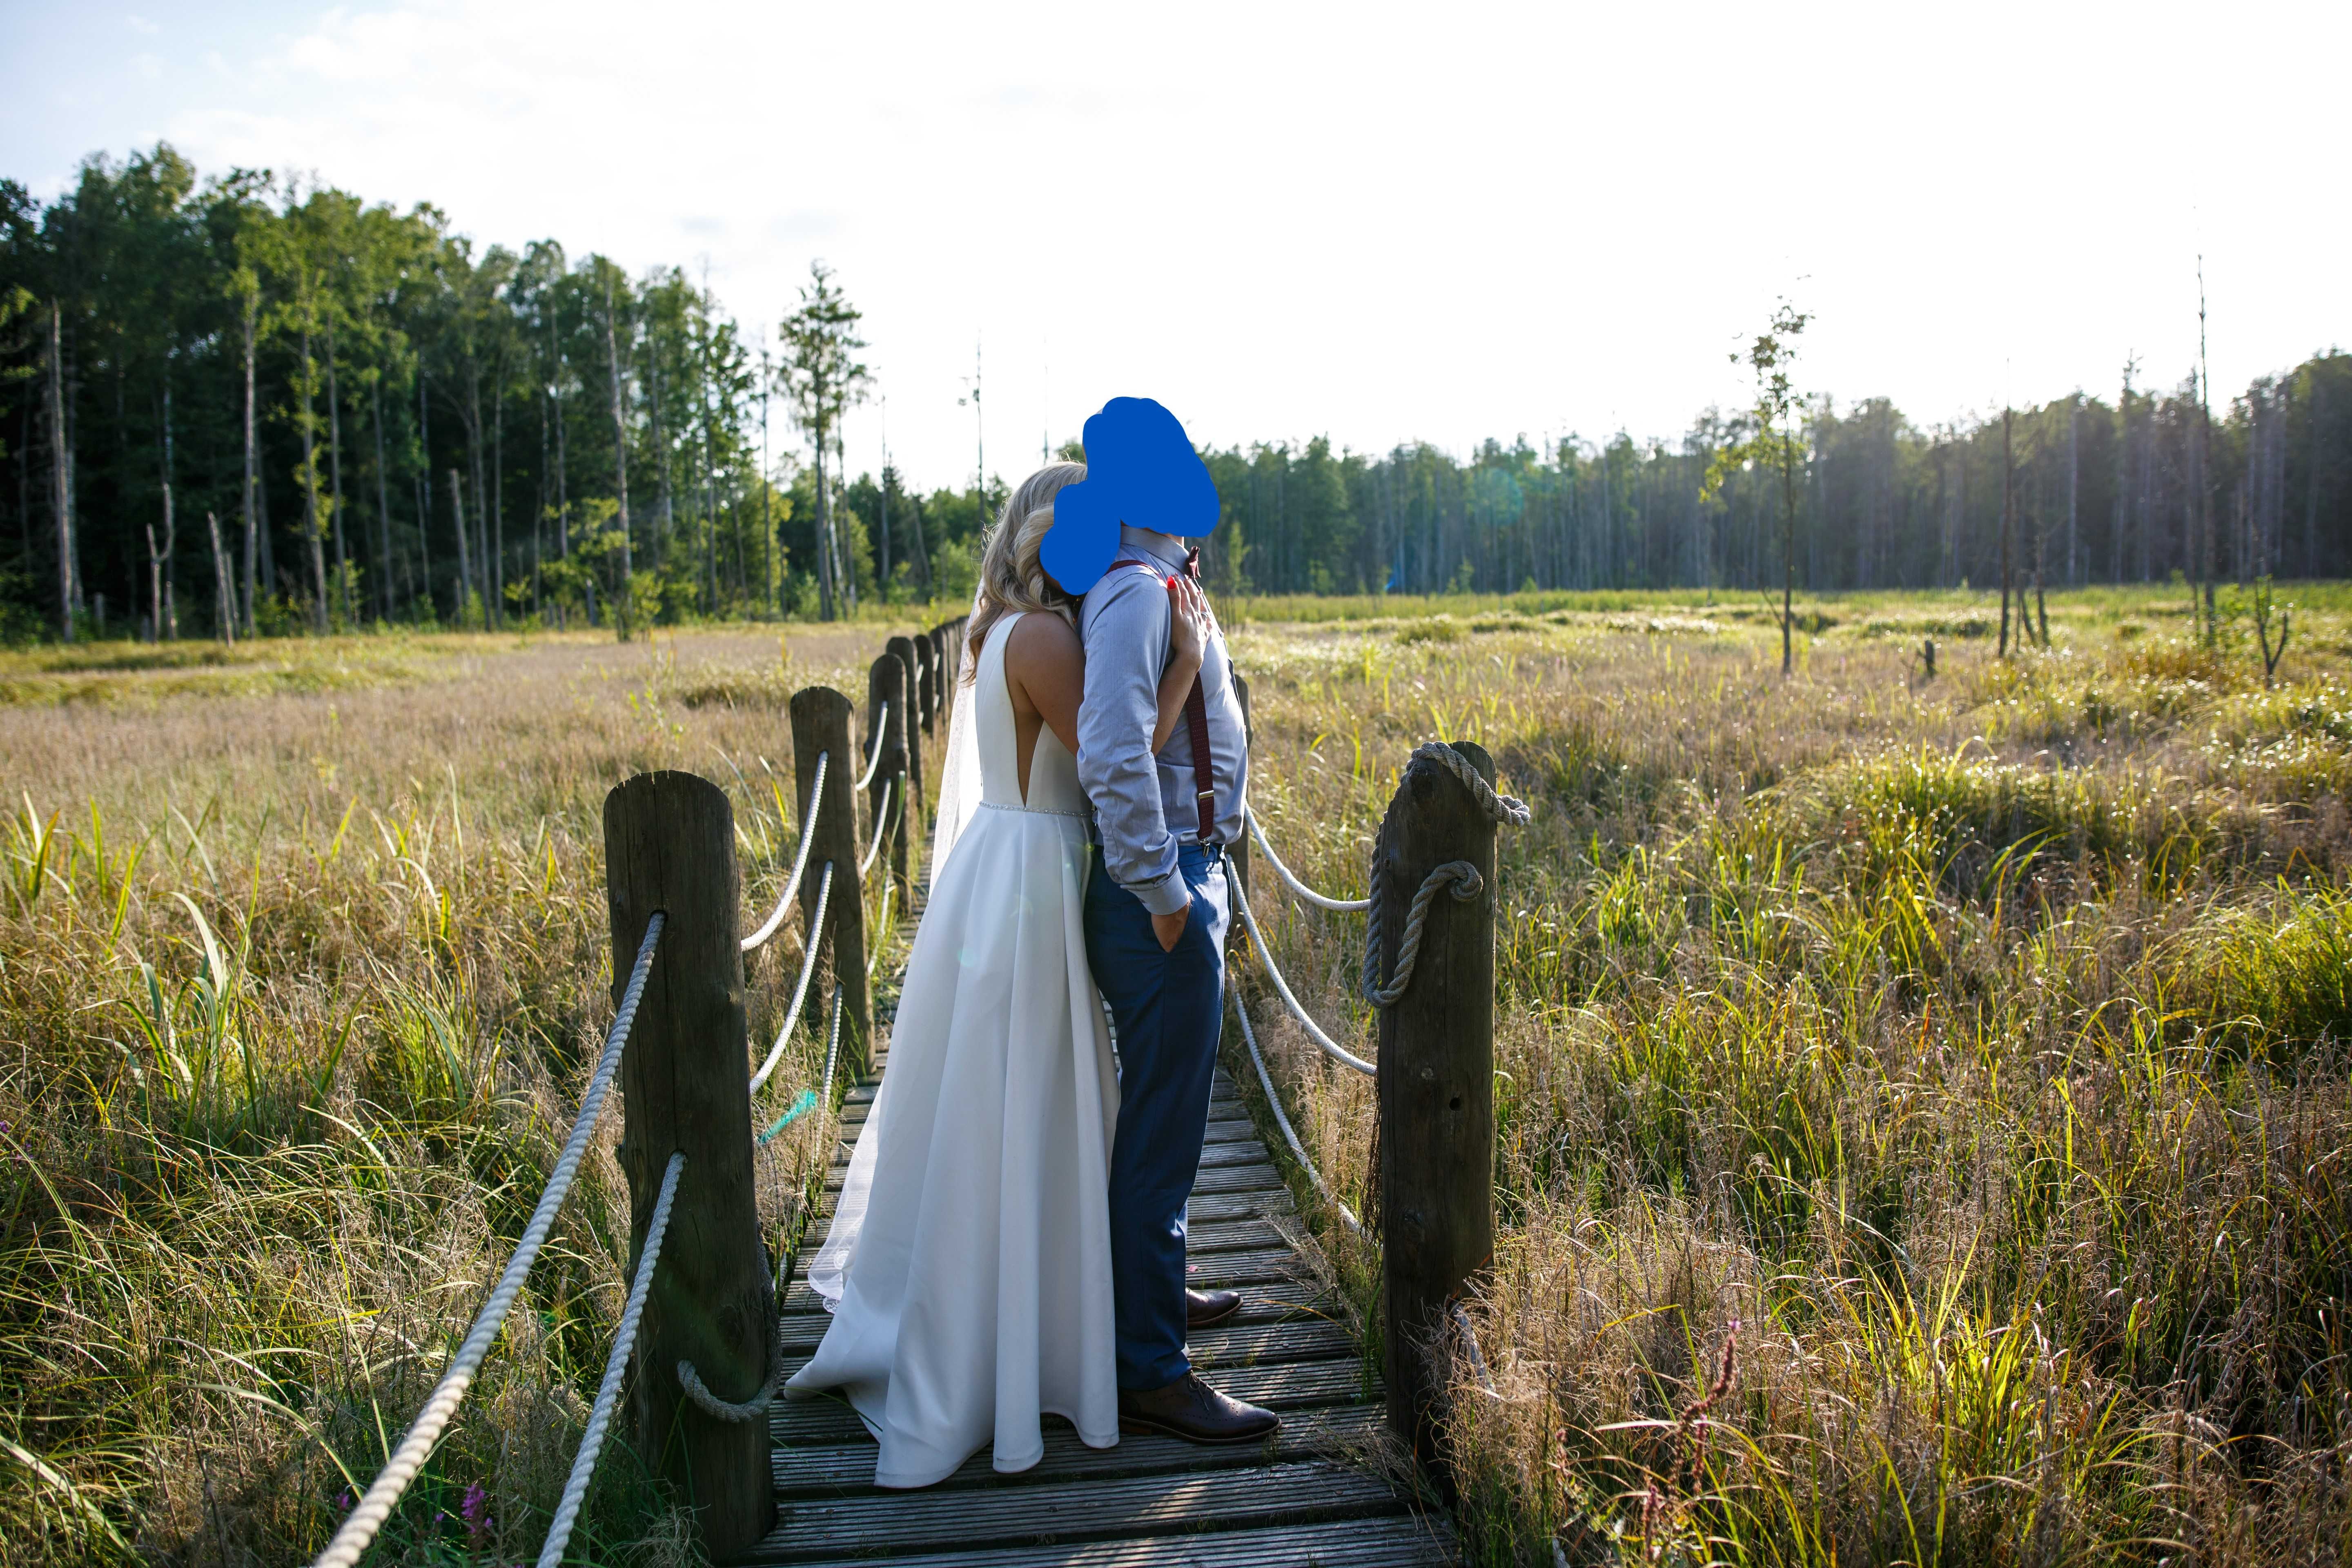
(1168, 1007)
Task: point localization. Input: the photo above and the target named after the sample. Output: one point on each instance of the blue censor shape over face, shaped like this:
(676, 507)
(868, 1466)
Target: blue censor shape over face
(1141, 470)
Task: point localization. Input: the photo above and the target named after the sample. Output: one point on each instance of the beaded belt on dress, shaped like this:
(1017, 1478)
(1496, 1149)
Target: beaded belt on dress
(1034, 810)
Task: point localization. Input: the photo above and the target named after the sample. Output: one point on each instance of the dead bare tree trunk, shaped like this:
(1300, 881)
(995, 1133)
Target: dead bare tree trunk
(2008, 511)
(625, 598)
(465, 559)
(1788, 556)
(61, 493)
(252, 467)
(335, 467)
(313, 525)
(224, 588)
(163, 609)
(2204, 460)
(382, 505)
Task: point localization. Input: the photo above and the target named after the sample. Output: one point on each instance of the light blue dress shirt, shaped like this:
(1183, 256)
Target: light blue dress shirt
(1144, 805)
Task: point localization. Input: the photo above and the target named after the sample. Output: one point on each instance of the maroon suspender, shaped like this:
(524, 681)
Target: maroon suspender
(1196, 716)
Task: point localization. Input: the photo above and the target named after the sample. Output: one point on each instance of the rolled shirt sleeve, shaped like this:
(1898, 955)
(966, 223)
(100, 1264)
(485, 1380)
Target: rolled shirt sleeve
(1125, 622)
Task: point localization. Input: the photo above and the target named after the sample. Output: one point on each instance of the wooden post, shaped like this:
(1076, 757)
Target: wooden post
(669, 845)
(821, 723)
(907, 718)
(886, 809)
(927, 674)
(1237, 853)
(1436, 1081)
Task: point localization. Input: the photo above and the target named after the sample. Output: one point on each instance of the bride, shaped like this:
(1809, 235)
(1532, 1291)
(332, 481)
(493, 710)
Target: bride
(969, 1265)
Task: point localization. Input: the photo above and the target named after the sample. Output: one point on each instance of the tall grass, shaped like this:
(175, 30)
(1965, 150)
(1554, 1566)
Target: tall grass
(1968, 1060)
(299, 985)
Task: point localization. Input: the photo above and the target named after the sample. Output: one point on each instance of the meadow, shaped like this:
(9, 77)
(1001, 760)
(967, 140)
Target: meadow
(1921, 1102)
(303, 967)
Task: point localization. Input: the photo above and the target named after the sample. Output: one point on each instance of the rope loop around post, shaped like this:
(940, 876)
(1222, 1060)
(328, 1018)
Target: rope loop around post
(1503, 810)
(753, 1409)
(1459, 875)
(1462, 877)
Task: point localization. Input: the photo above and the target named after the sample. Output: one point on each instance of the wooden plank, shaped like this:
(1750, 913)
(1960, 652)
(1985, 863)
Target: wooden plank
(1407, 1542)
(1274, 1331)
(1285, 1385)
(847, 1469)
(1231, 1235)
(1213, 1271)
(1238, 1179)
(1213, 1209)
(1282, 1303)
(1221, 1129)
(1071, 1511)
(1256, 1175)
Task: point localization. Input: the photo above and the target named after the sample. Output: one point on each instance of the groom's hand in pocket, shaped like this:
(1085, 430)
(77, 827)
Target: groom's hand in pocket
(1169, 928)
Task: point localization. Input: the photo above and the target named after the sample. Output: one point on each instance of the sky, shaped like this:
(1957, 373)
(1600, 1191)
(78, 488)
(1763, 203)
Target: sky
(1378, 223)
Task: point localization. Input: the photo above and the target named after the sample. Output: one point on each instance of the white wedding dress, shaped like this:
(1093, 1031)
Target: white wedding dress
(968, 1267)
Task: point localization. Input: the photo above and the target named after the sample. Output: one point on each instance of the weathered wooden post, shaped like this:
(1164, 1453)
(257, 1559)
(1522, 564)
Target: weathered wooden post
(821, 723)
(886, 803)
(669, 845)
(1436, 1080)
(926, 674)
(910, 716)
(1237, 853)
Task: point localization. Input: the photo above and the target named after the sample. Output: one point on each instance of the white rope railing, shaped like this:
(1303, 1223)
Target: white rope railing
(832, 1047)
(359, 1528)
(1331, 1047)
(1274, 1103)
(881, 926)
(1343, 906)
(881, 728)
(600, 1417)
(881, 825)
(810, 947)
(757, 939)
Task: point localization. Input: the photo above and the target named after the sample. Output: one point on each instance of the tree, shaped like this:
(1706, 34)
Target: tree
(823, 378)
(1775, 444)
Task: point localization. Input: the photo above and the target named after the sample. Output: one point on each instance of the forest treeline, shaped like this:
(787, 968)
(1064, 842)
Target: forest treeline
(255, 405)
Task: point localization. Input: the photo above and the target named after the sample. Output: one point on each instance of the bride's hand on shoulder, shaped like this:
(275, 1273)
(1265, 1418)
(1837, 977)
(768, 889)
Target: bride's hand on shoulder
(1189, 637)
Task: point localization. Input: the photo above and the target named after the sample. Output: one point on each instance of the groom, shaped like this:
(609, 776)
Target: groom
(1156, 906)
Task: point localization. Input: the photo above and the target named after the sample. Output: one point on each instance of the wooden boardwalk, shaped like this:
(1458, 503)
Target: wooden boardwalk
(1296, 1498)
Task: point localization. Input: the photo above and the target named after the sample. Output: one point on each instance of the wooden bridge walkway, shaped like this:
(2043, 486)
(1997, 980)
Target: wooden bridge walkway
(1303, 1497)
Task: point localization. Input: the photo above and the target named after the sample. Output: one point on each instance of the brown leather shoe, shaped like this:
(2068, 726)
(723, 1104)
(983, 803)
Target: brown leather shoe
(1191, 1409)
(1202, 1308)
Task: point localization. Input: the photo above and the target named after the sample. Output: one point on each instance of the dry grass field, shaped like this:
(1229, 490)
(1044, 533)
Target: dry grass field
(1961, 1063)
(303, 967)
(1922, 1105)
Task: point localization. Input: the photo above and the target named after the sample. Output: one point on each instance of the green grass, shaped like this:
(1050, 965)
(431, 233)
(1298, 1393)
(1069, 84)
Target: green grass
(300, 981)
(1977, 1045)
